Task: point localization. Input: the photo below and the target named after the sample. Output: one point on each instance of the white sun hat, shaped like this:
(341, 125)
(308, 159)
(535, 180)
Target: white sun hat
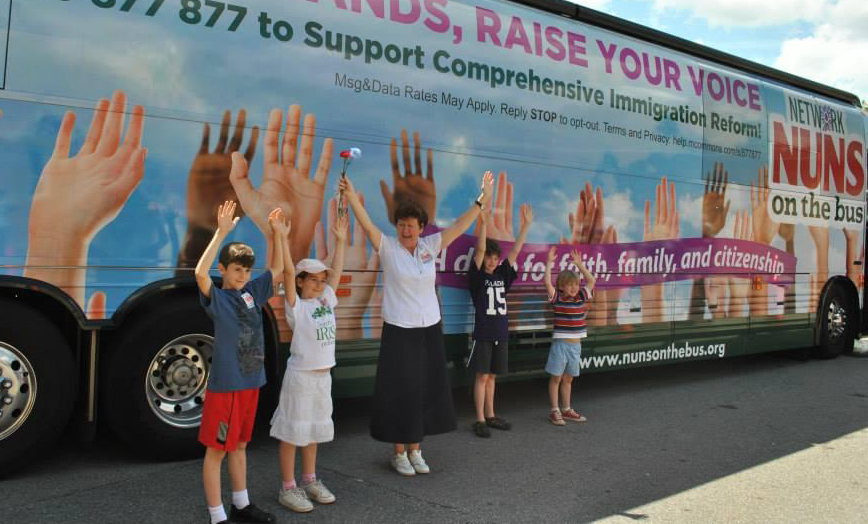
(310, 265)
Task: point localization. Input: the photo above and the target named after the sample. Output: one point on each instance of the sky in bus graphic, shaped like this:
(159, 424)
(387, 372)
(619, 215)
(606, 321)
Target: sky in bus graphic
(660, 114)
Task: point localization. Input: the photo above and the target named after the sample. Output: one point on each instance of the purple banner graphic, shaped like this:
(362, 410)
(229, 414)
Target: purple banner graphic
(634, 263)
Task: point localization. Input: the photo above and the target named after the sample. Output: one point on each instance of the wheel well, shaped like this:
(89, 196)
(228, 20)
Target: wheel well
(149, 300)
(141, 306)
(273, 364)
(852, 294)
(55, 311)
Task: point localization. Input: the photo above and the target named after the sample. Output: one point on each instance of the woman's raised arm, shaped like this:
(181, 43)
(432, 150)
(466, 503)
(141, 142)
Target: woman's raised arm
(373, 232)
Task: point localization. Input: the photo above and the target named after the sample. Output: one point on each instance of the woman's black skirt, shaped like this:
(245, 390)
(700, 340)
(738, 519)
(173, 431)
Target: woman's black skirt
(412, 393)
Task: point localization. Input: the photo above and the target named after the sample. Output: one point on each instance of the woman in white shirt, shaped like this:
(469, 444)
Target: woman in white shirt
(412, 393)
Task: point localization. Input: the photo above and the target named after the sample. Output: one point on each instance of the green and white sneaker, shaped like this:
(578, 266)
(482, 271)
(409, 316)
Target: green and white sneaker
(418, 462)
(402, 465)
(295, 499)
(317, 492)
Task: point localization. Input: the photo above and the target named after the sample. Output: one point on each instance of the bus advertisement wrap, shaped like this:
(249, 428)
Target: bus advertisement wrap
(665, 170)
(720, 204)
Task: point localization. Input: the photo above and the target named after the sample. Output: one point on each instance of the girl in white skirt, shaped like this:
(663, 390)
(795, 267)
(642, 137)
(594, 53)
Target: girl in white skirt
(303, 417)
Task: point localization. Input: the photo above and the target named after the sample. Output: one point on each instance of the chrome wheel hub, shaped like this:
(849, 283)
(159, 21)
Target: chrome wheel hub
(836, 320)
(176, 380)
(17, 389)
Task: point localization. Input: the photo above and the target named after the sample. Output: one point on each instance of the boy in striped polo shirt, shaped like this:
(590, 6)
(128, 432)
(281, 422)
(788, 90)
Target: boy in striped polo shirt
(568, 298)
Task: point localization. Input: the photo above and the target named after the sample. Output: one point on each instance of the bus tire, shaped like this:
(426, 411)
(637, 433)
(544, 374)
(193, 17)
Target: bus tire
(155, 378)
(37, 388)
(836, 323)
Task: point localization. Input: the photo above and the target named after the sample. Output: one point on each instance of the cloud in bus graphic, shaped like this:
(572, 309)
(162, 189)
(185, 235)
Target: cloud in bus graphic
(636, 263)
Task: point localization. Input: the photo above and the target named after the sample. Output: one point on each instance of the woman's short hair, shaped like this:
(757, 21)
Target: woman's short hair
(411, 209)
(566, 277)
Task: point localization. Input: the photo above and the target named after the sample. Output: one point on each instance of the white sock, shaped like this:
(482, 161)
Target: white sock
(239, 499)
(218, 514)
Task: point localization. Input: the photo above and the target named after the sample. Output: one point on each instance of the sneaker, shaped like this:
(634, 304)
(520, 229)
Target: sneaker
(295, 499)
(317, 491)
(498, 423)
(402, 465)
(250, 513)
(481, 429)
(556, 418)
(570, 414)
(418, 462)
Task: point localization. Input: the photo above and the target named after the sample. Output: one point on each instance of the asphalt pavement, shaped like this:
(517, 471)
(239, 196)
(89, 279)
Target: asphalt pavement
(767, 438)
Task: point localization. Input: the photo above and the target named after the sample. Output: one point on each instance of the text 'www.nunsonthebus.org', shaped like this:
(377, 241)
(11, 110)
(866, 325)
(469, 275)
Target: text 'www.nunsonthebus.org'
(672, 352)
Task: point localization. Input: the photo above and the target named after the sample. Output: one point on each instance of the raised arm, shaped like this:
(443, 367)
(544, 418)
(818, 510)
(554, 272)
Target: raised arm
(550, 288)
(208, 185)
(371, 231)
(283, 228)
(464, 221)
(77, 196)
(664, 226)
(226, 221)
(479, 253)
(340, 232)
(590, 279)
(275, 265)
(526, 219)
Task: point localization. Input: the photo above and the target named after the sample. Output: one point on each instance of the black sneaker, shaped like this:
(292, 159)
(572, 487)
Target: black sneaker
(250, 513)
(481, 429)
(497, 423)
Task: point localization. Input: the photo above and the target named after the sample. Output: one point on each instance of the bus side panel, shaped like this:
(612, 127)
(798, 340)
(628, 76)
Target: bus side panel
(650, 163)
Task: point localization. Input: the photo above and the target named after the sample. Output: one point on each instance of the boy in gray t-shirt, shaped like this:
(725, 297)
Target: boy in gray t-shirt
(237, 362)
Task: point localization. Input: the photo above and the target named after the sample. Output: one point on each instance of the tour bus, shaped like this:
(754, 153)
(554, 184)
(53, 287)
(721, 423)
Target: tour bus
(719, 202)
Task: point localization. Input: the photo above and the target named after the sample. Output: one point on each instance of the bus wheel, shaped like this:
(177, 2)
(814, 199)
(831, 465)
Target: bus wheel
(836, 323)
(155, 379)
(37, 385)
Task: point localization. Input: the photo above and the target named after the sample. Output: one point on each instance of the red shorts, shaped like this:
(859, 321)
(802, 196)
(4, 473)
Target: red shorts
(227, 418)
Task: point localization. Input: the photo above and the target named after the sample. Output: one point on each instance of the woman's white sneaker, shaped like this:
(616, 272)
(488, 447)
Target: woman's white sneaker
(402, 465)
(418, 462)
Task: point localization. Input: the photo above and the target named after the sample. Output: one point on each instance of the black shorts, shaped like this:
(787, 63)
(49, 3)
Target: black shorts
(489, 356)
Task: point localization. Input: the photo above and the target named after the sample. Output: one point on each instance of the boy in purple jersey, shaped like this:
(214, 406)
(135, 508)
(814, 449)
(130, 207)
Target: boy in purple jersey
(489, 279)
